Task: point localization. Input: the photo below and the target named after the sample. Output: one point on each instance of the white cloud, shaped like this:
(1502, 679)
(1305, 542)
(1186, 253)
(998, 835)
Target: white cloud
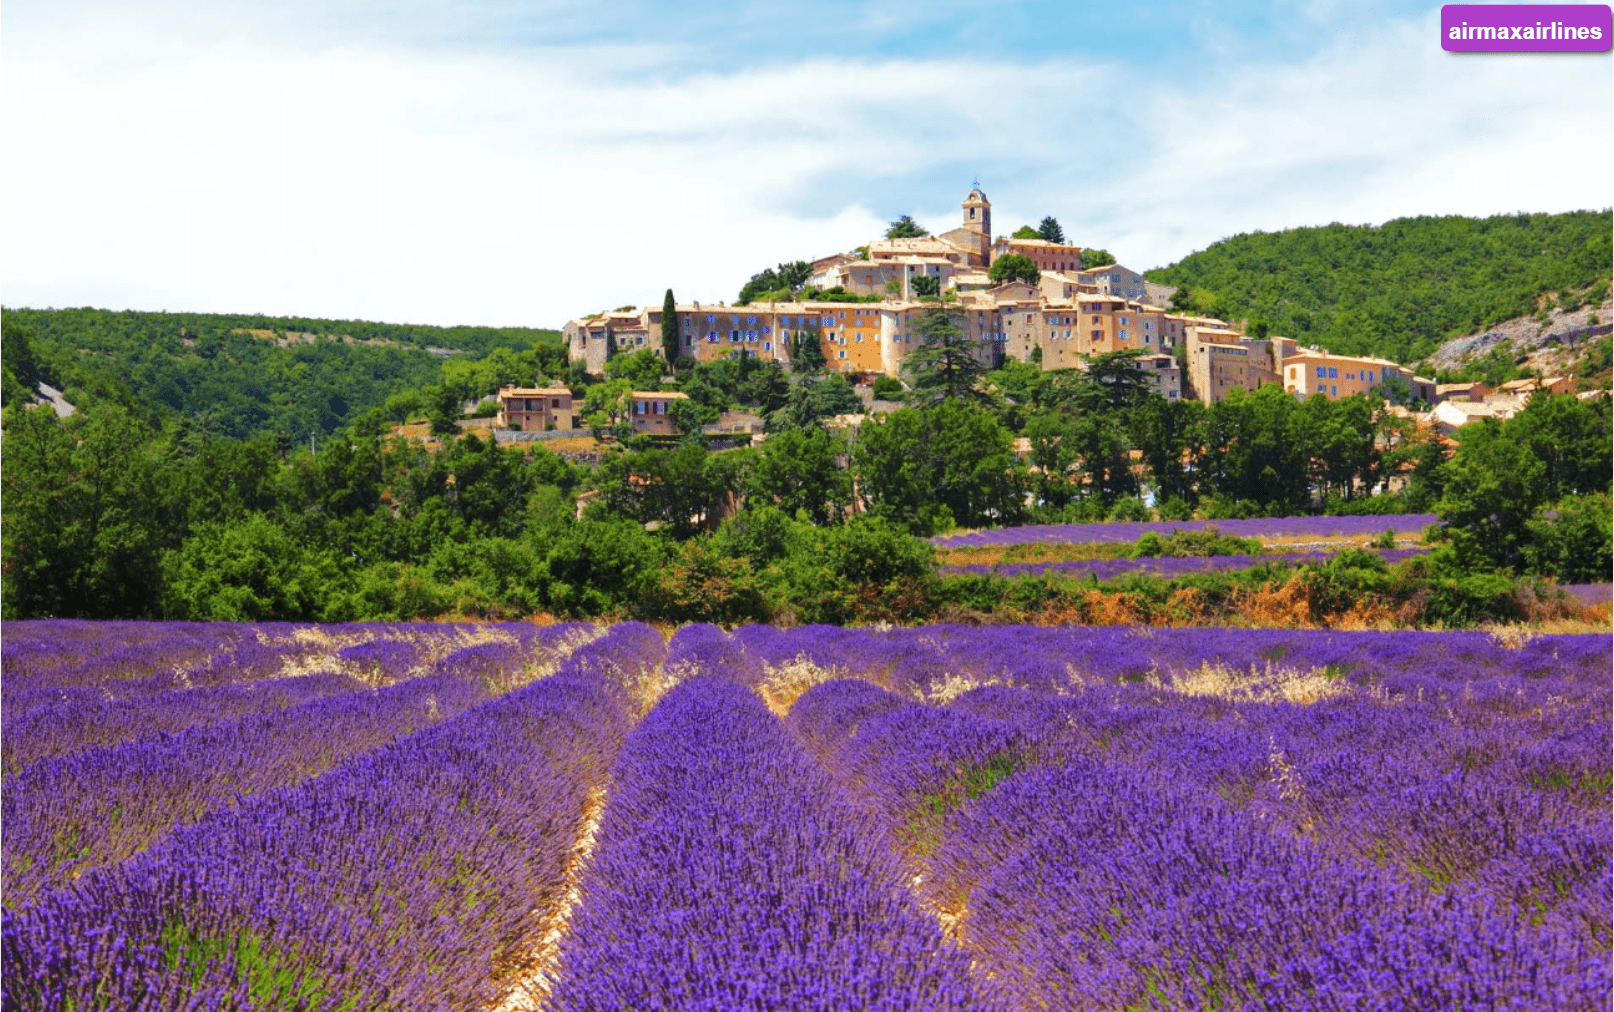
(154, 171)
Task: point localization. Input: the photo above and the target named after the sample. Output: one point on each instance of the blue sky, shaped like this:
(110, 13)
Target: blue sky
(523, 163)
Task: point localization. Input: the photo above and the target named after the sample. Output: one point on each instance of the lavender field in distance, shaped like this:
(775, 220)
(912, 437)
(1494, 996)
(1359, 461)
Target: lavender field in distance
(998, 818)
(1127, 531)
(1164, 566)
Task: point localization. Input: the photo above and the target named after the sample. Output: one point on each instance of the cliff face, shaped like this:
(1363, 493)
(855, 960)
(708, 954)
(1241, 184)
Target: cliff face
(1553, 345)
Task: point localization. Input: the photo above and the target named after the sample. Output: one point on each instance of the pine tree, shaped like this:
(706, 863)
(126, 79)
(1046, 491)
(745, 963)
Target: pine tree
(1050, 230)
(905, 228)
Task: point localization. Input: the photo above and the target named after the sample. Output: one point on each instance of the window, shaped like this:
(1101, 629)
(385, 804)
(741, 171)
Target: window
(1322, 372)
(1333, 372)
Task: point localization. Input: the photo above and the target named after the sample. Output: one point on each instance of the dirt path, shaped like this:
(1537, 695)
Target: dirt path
(531, 992)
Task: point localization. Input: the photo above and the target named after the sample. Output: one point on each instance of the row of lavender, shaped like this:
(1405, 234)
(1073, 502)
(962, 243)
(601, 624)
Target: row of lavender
(1161, 825)
(413, 876)
(116, 763)
(1168, 567)
(72, 685)
(1127, 531)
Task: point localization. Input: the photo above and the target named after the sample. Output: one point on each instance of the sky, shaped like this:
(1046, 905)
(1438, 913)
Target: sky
(521, 163)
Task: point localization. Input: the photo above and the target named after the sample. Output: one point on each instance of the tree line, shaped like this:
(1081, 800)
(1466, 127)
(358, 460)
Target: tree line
(216, 370)
(115, 513)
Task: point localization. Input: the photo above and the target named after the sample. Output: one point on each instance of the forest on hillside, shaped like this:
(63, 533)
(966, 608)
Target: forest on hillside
(1397, 290)
(243, 375)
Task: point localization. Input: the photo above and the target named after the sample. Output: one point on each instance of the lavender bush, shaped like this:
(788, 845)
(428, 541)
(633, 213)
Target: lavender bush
(729, 874)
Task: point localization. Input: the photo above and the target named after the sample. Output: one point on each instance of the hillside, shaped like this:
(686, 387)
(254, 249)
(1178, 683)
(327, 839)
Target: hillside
(1398, 289)
(245, 375)
(1553, 342)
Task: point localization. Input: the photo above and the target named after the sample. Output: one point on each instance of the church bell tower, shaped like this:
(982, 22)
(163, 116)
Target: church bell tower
(978, 213)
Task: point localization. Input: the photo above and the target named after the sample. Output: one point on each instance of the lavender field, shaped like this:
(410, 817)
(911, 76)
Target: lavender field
(1127, 531)
(1168, 566)
(945, 817)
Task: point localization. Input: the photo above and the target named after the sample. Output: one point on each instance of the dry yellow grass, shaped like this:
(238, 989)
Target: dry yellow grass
(1271, 684)
(781, 686)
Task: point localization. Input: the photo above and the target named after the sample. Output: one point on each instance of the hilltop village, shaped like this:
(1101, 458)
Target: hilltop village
(863, 324)
(1069, 315)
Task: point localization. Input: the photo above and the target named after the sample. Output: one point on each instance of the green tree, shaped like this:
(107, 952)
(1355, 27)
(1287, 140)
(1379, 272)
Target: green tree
(926, 287)
(1169, 434)
(783, 281)
(1014, 267)
(606, 408)
(812, 400)
(1026, 232)
(683, 490)
(1572, 539)
(643, 368)
(927, 469)
(946, 363)
(1504, 474)
(248, 570)
(800, 471)
(905, 228)
(1054, 454)
(807, 352)
(1097, 258)
(1050, 231)
(601, 566)
(669, 328)
(1493, 487)
(1252, 453)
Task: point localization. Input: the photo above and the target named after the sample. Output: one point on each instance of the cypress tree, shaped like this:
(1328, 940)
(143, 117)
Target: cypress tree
(1050, 230)
(669, 328)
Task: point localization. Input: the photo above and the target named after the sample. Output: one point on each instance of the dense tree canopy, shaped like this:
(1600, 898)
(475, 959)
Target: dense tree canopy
(245, 375)
(1396, 290)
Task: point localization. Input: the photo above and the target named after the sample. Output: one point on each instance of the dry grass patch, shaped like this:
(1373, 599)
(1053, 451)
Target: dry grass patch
(1271, 684)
